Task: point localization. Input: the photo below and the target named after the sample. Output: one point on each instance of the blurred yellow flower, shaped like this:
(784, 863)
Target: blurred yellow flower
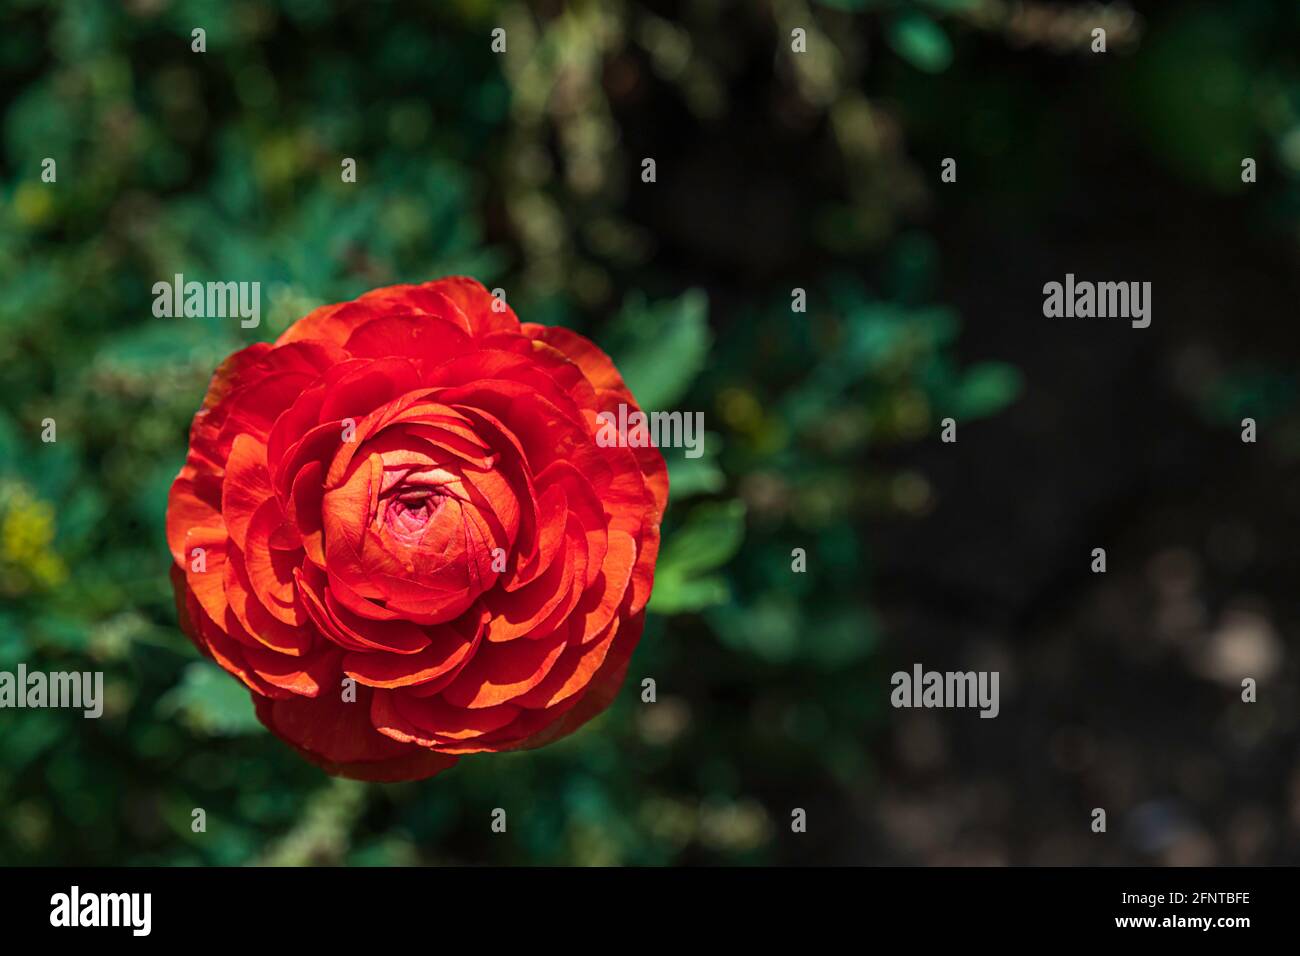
(27, 558)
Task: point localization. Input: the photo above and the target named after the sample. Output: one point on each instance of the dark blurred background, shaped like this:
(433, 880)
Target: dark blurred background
(775, 171)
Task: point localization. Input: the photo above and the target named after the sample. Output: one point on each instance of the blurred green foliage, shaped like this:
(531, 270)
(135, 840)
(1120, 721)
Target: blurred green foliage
(225, 164)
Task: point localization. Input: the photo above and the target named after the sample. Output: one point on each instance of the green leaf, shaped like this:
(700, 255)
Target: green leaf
(211, 702)
(986, 388)
(768, 630)
(695, 476)
(162, 343)
(10, 454)
(709, 539)
(60, 631)
(921, 42)
(1201, 123)
(660, 349)
(674, 594)
(14, 646)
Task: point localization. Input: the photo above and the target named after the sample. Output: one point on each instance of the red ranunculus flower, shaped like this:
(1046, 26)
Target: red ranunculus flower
(407, 490)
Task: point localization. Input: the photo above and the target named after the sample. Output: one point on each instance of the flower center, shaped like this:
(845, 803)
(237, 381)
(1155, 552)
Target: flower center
(408, 514)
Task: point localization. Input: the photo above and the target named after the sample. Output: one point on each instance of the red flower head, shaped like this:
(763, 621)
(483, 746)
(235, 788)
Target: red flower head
(407, 490)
